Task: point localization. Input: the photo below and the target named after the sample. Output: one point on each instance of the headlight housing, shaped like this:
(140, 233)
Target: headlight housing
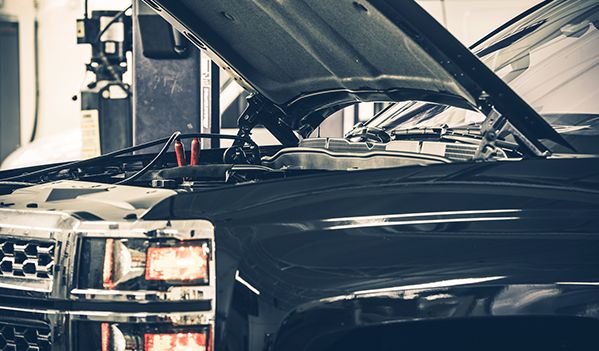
(156, 265)
(160, 275)
(142, 264)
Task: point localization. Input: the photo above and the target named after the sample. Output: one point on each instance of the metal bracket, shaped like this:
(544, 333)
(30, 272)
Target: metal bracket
(497, 126)
(209, 101)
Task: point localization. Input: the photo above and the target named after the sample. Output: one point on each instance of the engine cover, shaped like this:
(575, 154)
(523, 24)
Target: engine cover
(341, 154)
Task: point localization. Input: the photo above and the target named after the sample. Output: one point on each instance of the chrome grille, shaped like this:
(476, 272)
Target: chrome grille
(27, 259)
(15, 337)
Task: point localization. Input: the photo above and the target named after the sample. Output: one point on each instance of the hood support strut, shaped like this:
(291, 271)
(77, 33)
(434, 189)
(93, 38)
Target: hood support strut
(262, 111)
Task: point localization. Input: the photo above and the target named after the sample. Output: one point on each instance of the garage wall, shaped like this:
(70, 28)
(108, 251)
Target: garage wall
(62, 68)
(470, 20)
(24, 11)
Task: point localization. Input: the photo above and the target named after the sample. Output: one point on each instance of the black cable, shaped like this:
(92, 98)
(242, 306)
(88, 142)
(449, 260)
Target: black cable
(150, 164)
(114, 75)
(218, 136)
(89, 160)
(85, 12)
(111, 22)
(36, 73)
(178, 135)
(124, 151)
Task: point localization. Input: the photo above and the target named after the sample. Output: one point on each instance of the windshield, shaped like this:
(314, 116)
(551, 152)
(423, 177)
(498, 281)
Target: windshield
(550, 58)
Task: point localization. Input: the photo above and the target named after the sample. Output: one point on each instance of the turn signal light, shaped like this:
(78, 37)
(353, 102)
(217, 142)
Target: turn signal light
(177, 263)
(107, 281)
(176, 342)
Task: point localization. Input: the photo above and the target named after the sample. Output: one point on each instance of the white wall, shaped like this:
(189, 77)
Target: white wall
(62, 61)
(25, 12)
(470, 20)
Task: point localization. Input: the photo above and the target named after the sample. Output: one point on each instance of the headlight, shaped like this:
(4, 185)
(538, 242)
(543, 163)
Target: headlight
(142, 337)
(141, 264)
(147, 265)
(159, 278)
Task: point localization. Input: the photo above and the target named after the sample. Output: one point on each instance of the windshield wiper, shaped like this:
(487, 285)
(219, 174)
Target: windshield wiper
(467, 135)
(472, 131)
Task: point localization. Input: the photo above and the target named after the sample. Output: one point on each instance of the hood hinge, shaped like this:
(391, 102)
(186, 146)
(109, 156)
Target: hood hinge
(497, 126)
(262, 111)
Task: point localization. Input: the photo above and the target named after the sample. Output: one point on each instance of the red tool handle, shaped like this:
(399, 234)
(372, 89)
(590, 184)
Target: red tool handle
(195, 152)
(180, 152)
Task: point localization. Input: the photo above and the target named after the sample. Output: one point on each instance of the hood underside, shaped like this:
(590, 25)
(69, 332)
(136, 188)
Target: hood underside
(312, 57)
(288, 50)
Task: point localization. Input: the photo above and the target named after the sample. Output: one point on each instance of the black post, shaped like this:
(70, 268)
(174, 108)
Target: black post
(10, 115)
(166, 95)
(210, 88)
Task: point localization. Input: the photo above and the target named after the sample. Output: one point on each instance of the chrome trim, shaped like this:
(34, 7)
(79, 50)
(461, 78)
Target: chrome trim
(176, 318)
(177, 229)
(175, 293)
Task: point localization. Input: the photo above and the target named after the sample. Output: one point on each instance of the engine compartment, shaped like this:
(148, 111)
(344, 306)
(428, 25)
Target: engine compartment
(247, 162)
(312, 156)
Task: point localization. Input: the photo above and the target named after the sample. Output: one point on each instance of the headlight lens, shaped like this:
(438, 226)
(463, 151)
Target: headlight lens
(182, 263)
(175, 341)
(107, 336)
(142, 264)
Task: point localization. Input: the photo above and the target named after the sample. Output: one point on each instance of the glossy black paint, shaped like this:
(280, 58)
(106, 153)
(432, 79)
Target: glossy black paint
(388, 258)
(309, 262)
(446, 242)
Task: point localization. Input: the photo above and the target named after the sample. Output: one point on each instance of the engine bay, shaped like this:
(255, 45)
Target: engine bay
(246, 162)
(315, 155)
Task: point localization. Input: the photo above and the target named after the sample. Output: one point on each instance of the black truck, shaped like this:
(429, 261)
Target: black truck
(464, 216)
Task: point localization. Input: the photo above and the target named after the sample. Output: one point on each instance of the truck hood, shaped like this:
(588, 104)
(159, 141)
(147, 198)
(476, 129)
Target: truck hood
(85, 200)
(311, 57)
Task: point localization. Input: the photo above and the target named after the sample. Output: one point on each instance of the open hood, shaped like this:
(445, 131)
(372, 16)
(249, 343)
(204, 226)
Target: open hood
(312, 57)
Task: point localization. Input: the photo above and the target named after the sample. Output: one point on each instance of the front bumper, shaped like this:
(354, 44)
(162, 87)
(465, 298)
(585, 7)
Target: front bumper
(26, 328)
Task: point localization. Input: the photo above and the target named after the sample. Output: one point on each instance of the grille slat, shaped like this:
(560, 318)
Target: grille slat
(15, 337)
(26, 259)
